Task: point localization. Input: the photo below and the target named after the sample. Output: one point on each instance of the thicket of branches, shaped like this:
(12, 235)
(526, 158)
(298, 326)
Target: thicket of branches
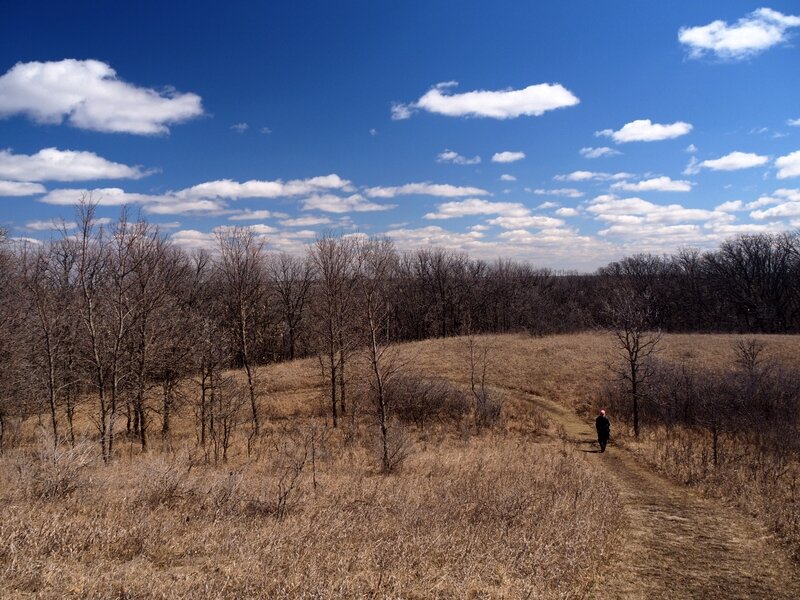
(733, 430)
(116, 315)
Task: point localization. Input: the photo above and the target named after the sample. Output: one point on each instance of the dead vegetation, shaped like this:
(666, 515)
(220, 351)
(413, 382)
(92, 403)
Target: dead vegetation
(493, 516)
(304, 510)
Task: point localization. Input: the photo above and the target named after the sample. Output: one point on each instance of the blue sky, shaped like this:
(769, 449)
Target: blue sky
(565, 133)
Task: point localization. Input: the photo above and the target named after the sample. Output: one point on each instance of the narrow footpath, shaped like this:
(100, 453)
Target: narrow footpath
(680, 545)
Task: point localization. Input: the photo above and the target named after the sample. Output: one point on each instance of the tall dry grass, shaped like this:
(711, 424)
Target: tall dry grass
(493, 516)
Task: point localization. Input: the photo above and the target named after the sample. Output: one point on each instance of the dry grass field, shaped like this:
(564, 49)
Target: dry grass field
(522, 510)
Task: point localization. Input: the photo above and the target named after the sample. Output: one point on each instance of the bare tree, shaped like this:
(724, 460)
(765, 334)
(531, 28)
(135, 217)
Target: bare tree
(241, 274)
(291, 278)
(333, 263)
(377, 264)
(631, 317)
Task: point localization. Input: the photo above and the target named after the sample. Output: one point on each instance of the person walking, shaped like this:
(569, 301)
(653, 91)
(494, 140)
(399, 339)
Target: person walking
(603, 426)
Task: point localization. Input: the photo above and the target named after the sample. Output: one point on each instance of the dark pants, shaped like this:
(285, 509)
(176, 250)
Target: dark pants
(602, 440)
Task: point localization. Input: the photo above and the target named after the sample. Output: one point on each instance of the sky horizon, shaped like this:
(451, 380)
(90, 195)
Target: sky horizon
(566, 135)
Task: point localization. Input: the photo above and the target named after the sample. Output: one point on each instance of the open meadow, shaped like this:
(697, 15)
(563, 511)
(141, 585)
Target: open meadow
(522, 507)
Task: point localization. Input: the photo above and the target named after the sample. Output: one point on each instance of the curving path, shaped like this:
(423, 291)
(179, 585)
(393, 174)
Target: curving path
(680, 545)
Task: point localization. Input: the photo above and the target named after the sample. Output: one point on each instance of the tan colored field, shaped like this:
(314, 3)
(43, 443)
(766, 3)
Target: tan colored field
(524, 511)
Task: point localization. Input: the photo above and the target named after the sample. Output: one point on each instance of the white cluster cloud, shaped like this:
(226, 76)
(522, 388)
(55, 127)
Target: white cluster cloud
(308, 221)
(20, 188)
(730, 162)
(600, 152)
(783, 203)
(793, 122)
(240, 127)
(592, 176)
(565, 192)
(789, 165)
(644, 130)
(656, 184)
(89, 95)
(507, 156)
(475, 206)
(337, 204)
(49, 225)
(227, 188)
(167, 204)
(444, 190)
(507, 177)
(450, 156)
(52, 164)
(750, 35)
(256, 215)
(533, 100)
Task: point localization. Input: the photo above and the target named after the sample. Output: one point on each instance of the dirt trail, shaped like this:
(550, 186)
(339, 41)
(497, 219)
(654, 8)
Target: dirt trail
(680, 544)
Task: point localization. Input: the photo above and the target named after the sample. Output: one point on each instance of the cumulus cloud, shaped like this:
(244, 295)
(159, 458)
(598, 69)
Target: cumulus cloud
(598, 152)
(526, 222)
(644, 130)
(793, 122)
(305, 221)
(592, 176)
(533, 100)
(49, 225)
(450, 156)
(507, 177)
(475, 206)
(20, 188)
(568, 212)
(507, 157)
(656, 224)
(89, 95)
(256, 215)
(733, 162)
(565, 192)
(337, 204)
(52, 164)
(657, 184)
(784, 203)
(240, 127)
(730, 206)
(227, 188)
(750, 35)
(167, 204)
(789, 165)
(444, 190)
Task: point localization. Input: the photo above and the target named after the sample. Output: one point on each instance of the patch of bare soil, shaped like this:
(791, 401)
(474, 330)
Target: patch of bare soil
(680, 544)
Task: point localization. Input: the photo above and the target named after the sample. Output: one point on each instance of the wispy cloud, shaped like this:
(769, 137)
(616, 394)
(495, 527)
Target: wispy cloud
(475, 206)
(533, 100)
(750, 35)
(450, 156)
(565, 192)
(600, 152)
(656, 184)
(89, 95)
(337, 204)
(425, 189)
(592, 176)
(240, 127)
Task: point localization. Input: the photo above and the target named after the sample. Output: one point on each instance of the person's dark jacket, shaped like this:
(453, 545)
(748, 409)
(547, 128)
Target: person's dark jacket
(603, 426)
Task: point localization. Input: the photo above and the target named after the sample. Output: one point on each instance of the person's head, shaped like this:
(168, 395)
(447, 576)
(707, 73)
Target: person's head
(602, 413)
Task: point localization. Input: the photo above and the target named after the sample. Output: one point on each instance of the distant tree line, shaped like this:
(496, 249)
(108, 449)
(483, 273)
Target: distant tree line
(117, 313)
